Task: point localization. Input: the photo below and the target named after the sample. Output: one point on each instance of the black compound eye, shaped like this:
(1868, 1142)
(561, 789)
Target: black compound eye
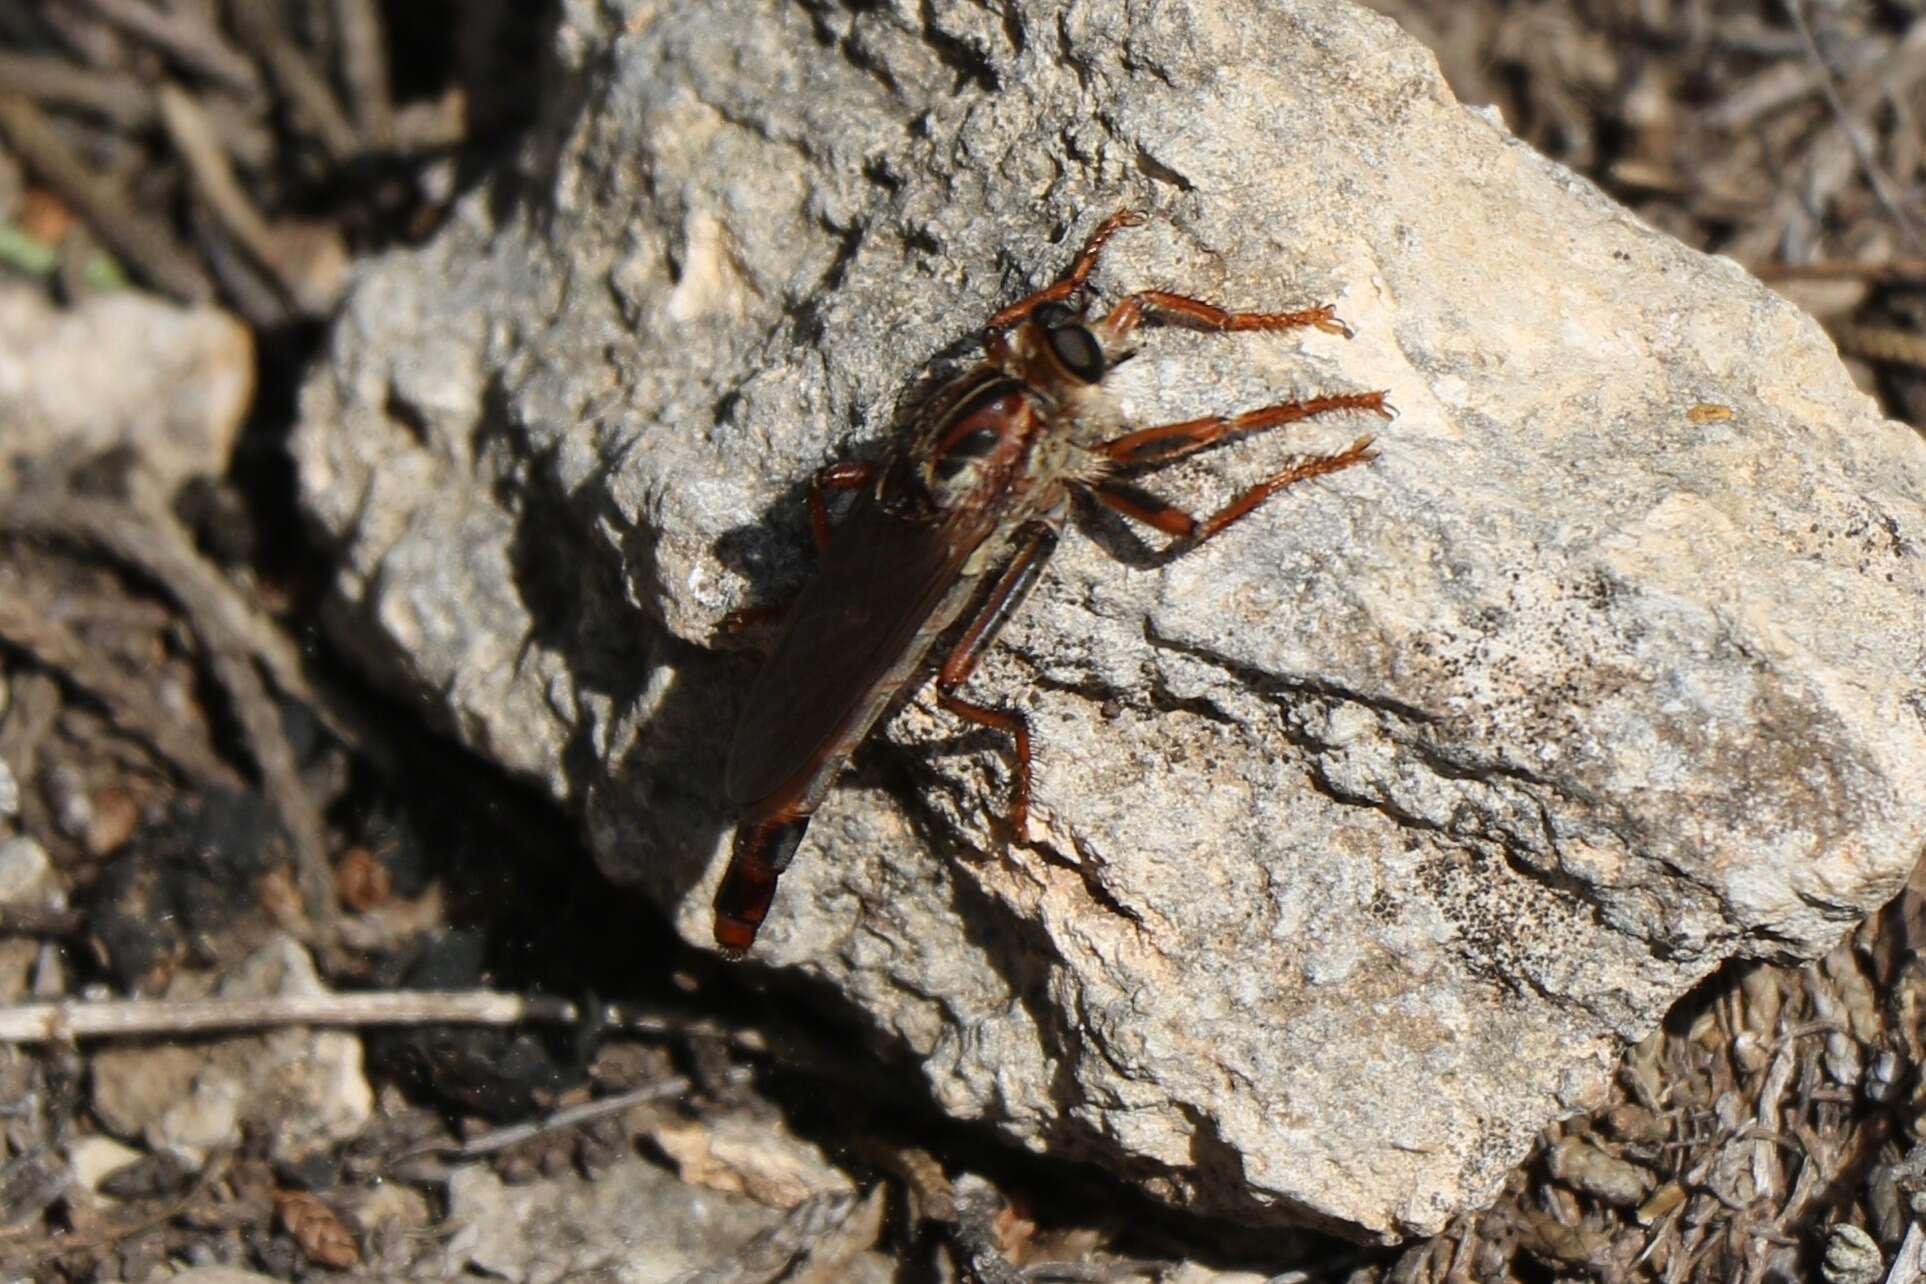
(1053, 314)
(1079, 352)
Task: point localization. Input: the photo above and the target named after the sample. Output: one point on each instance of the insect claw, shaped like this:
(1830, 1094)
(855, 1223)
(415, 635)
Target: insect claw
(1331, 323)
(1385, 408)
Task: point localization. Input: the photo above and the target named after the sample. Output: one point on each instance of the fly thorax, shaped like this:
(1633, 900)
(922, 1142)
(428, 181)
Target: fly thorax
(970, 450)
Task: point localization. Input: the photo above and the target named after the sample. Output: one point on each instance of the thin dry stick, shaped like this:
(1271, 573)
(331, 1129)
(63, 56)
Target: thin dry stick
(29, 920)
(147, 245)
(1106, 1272)
(1882, 343)
(1844, 270)
(1848, 125)
(258, 22)
(182, 36)
(364, 69)
(146, 537)
(128, 700)
(193, 136)
(61, 1244)
(587, 1112)
(123, 1018)
(120, 98)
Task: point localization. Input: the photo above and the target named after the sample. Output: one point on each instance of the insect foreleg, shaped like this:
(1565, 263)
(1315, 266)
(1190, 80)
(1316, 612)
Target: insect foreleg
(1131, 311)
(847, 475)
(1072, 280)
(1167, 442)
(1191, 532)
(1035, 542)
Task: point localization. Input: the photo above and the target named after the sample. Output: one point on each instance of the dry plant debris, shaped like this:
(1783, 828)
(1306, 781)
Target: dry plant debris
(272, 132)
(1781, 133)
(1770, 1131)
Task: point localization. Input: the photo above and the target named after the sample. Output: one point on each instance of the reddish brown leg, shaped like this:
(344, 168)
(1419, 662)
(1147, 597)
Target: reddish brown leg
(839, 476)
(847, 475)
(1128, 313)
(1073, 279)
(1174, 521)
(1166, 442)
(1034, 544)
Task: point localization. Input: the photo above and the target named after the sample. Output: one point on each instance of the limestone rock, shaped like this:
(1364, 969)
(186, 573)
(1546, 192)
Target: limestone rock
(123, 370)
(1369, 833)
(94, 1158)
(304, 1087)
(634, 1224)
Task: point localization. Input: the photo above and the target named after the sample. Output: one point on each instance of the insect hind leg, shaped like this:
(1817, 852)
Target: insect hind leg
(1034, 545)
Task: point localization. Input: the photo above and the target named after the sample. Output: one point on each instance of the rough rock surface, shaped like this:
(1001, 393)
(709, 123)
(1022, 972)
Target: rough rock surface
(122, 370)
(1367, 834)
(303, 1088)
(634, 1224)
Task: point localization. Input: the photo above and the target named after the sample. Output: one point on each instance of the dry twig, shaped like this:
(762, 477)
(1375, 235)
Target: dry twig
(193, 136)
(56, 82)
(568, 1117)
(1882, 343)
(144, 243)
(146, 537)
(182, 35)
(129, 701)
(127, 1018)
(260, 27)
(364, 69)
(1851, 127)
(48, 1248)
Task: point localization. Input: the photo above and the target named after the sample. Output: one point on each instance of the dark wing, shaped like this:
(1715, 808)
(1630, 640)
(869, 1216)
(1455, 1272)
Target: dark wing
(889, 584)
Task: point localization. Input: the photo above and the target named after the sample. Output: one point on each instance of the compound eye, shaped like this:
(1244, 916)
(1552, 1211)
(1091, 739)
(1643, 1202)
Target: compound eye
(1053, 314)
(1079, 352)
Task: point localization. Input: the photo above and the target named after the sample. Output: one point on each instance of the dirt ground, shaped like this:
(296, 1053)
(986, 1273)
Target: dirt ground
(381, 1018)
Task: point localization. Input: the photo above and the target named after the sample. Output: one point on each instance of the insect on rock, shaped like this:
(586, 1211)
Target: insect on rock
(960, 516)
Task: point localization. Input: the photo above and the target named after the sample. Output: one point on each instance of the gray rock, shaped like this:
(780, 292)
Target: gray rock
(27, 877)
(123, 370)
(634, 1224)
(303, 1087)
(1368, 834)
(94, 1158)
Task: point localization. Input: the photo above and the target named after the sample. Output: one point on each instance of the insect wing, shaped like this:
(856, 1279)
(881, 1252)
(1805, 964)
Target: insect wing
(888, 585)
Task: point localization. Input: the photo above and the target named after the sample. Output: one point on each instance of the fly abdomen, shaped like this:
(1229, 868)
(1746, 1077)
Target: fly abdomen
(761, 854)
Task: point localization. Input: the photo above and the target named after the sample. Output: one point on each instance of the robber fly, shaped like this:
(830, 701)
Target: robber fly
(976, 489)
